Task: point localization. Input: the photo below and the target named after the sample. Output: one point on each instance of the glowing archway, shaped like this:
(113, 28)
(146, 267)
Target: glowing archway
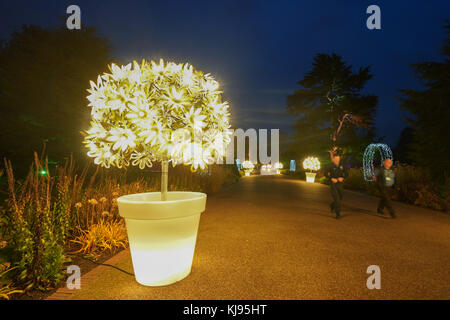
(369, 153)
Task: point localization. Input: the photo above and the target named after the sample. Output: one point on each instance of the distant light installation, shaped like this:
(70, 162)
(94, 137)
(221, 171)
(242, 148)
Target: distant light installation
(267, 169)
(311, 164)
(292, 166)
(278, 166)
(238, 164)
(248, 167)
(369, 154)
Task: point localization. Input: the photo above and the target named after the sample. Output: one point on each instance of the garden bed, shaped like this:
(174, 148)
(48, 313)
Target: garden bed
(69, 213)
(77, 259)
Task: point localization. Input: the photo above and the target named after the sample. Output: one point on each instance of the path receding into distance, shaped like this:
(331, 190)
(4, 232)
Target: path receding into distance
(269, 237)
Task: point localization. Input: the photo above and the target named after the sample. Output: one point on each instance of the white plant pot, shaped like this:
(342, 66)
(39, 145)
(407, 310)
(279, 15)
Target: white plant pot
(162, 234)
(310, 177)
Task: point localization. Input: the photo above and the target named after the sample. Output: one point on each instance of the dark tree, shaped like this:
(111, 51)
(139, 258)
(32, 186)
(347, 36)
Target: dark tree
(44, 74)
(402, 151)
(430, 110)
(332, 110)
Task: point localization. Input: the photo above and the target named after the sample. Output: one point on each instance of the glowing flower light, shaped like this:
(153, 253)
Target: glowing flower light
(165, 112)
(278, 166)
(248, 167)
(137, 109)
(269, 169)
(311, 164)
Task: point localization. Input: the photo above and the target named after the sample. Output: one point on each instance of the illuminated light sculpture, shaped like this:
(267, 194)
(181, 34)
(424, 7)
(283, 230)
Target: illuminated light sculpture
(369, 154)
(238, 164)
(267, 169)
(145, 113)
(271, 169)
(248, 167)
(311, 164)
(292, 166)
(278, 166)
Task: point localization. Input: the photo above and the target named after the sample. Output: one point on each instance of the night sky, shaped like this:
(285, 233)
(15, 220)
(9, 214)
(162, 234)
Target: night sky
(258, 50)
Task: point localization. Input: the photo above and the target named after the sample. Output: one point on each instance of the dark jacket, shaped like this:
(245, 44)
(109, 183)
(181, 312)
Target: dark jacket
(333, 171)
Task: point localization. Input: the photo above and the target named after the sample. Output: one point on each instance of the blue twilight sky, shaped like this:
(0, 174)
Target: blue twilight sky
(258, 50)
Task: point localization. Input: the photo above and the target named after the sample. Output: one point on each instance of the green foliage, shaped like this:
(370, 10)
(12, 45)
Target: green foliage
(46, 213)
(402, 151)
(34, 230)
(355, 179)
(323, 180)
(430, 110)
(6, 291)
(413, 185)
(329, 91)
(104, 236)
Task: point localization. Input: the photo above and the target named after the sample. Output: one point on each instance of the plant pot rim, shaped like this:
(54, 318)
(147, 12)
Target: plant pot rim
(195, 196)
(148, 206)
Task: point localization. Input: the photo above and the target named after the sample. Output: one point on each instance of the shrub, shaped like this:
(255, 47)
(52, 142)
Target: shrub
(6, 291)
(323, 180)
(107, 235)
(429, 198)
(355, 180)
(36, 228)
(413, 185)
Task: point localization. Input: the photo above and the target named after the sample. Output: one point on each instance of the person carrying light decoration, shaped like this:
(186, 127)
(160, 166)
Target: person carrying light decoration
(336, 172)
(385, 180)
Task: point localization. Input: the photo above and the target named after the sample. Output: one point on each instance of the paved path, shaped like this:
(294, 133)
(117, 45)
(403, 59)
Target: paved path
(268, 237)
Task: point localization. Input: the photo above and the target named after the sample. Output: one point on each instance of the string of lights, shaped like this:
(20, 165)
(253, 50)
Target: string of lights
(311, 164)
(369, 154)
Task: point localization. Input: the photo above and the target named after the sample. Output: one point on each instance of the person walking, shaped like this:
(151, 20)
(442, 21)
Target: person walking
(336, 172)
(385, 180)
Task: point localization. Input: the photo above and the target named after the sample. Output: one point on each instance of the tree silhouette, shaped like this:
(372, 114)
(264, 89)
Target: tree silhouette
(430, 109)
(332, 111)
(402, 151)
(44, 74)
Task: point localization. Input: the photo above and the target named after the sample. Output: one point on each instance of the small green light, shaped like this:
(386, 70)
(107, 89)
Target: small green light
(43, 173)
